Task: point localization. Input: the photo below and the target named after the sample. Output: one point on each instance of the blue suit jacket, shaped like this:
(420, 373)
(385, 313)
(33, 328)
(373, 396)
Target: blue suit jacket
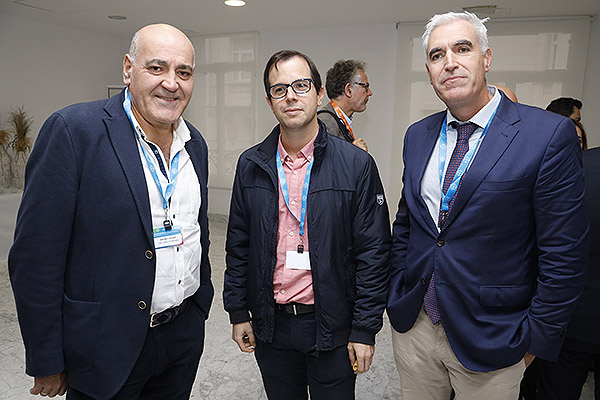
(511, 256)
(83, 255)
(585, 324)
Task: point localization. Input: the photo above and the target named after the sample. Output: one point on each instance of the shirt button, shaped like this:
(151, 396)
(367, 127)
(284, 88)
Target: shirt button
(282, 291)
(441, 242)
(295, 172)
(291, 233)
(293, 202)
(423, 281)
(149, 254)
(142, 305)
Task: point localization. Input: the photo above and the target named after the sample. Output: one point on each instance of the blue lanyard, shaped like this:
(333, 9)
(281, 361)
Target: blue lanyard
(286, 195)
(174, 170)
(446, 198)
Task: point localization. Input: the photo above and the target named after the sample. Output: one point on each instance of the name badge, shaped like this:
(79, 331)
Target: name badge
(167, 238)
(295, 260)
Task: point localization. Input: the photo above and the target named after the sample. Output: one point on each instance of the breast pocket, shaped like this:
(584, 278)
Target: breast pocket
(504, 185)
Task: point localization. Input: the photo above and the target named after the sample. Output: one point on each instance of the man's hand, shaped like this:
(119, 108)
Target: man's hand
(528, 359)
(361, 355)
(243, 335)
(50, 385)
(361, 143)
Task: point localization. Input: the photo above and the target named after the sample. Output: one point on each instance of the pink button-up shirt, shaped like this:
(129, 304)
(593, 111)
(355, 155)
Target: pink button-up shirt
(292, 285)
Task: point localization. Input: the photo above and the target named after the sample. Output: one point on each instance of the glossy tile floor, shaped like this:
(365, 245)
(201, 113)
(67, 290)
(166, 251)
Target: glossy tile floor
(225, 373)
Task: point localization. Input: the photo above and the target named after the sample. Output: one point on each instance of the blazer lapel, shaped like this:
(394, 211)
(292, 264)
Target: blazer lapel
(121, 135)
(198, 155)
(500, 134)
(426, 143)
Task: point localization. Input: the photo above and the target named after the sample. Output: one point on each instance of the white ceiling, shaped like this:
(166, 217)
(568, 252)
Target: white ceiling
(205, 17)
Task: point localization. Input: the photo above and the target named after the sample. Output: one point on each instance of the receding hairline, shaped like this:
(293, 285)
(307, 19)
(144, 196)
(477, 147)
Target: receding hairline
(275, 66)
(477, 25)
(145, 31)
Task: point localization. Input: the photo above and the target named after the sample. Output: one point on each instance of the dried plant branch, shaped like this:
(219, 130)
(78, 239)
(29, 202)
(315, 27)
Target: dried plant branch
(21, 125)
(4, 137)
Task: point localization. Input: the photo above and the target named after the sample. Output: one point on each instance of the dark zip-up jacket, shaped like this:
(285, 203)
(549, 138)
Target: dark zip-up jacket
(347, 217)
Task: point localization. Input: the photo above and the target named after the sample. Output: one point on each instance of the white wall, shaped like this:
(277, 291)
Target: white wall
(47, 67)
(590, 114)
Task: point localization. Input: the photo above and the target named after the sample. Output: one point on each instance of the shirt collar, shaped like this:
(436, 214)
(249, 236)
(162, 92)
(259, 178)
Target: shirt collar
(483, 116)
(307, 152)
(346, 117)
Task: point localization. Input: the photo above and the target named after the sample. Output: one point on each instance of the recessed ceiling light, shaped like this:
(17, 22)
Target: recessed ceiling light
(117, 17)
(235, 3)
(489, 9)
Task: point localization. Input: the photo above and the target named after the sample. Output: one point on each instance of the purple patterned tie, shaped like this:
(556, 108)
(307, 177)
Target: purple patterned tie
(462, 147)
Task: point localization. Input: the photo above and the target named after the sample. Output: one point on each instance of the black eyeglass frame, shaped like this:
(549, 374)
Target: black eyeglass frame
(366, 85)
(288, 85)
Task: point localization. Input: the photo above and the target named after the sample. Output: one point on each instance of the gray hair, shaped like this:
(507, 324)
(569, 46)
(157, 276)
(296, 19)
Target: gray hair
(443, 19)
(134, 49)
(342, 73)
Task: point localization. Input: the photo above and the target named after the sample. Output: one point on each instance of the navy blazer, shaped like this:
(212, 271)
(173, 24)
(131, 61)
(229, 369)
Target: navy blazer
(585, 324)
(511, 256)
(83, 259)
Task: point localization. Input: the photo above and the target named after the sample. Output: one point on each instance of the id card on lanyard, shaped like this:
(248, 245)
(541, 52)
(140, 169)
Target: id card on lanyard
(298, 259)
(167, 235)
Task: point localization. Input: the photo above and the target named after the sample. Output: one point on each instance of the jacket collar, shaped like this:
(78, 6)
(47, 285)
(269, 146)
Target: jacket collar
(501, 133)
(426, 143)
(266, 150)
(121, 135)
(114, 105)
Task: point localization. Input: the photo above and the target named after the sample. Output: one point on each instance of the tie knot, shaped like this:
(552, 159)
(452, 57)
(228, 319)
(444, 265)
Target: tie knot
(465, 130)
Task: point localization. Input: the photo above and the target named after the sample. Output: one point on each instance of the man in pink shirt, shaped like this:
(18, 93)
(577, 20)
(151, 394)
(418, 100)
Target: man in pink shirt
(308, 306)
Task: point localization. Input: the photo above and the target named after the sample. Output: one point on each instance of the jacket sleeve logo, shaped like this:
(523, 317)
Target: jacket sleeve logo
(380, 199)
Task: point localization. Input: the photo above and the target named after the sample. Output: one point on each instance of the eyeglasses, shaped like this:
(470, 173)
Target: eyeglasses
(363, 84)
(299, 86)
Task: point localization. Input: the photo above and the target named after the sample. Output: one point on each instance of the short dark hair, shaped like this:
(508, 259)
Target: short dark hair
(564, 106)
(285, 55)
(342, 73)
(584, 144)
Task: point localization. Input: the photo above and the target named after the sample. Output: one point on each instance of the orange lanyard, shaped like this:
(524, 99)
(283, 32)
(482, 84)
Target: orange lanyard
(340, 114)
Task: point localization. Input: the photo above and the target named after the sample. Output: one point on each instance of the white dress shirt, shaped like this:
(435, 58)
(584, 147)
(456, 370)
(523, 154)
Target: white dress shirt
(431, 188)
(177, 267)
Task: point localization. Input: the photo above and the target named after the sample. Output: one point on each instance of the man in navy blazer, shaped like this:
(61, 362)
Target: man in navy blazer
(490, 239)
(109, 265)
(564, 379)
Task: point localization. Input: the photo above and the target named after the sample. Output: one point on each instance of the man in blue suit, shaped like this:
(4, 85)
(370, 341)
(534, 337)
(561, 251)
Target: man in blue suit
(490, 239)
(109, 265)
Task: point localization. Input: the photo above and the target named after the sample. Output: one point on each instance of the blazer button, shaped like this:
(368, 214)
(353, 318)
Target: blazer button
(142, 305)
(441, 242)
(149, 254)
(423, 281)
